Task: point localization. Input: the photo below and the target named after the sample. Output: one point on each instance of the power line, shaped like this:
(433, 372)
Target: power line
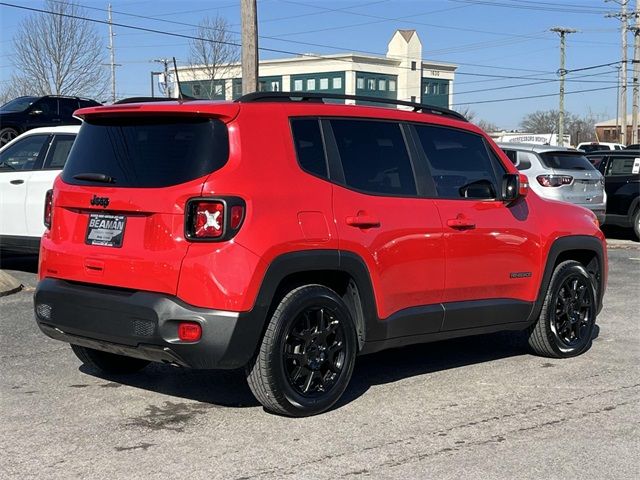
(191, 37)
(544, 6)
(532, 96)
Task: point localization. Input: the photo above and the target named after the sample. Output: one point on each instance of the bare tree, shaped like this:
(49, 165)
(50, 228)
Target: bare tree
(466, 112)
(542, 121)
(14, 88)
(581, 128)
(58, 54)
(487, 126)
(214, 53)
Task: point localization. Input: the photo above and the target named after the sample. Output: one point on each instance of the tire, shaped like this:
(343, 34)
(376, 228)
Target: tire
(636, 224)
(6, 135)
(108, 362)
(568, 316)
(307, 354)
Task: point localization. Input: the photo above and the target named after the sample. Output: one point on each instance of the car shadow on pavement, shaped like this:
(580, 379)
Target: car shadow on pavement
(618, 233)
(23, 263)
(229, 388)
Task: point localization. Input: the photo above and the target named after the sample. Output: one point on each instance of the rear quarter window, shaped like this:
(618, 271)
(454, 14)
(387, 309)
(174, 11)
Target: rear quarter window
(148, 152)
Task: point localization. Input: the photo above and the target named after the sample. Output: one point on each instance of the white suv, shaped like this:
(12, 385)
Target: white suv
(596, 146)
(28, 166)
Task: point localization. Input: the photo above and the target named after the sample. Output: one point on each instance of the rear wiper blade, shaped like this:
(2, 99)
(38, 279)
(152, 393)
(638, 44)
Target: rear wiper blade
(95, 177)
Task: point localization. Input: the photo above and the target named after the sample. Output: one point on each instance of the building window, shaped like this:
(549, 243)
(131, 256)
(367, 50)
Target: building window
(392, 85)
(413, 99)
(413, 66)
(297, 85)
(311, 84)
(275, 86)
(360, 83)
(371, 83)
(197, 90)
(324, 84)
(218, 89)
(337, 83)
(382, 85)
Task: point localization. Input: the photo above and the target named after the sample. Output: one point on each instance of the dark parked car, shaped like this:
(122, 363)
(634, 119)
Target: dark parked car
(24, 113)
(621, 170)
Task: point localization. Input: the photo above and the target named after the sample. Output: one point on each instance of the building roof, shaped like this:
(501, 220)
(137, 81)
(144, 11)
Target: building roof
(407, 34)
(613, 122)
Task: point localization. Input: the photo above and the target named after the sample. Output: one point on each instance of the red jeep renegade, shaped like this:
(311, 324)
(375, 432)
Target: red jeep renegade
(289, 235)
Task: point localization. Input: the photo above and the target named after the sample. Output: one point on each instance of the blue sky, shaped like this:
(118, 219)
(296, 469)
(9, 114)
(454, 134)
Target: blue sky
(486, 38)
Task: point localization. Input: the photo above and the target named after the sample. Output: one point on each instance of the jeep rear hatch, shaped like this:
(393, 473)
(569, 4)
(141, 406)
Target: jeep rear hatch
(119, 205)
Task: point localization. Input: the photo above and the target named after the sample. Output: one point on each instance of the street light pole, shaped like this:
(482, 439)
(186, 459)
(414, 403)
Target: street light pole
(562, 31)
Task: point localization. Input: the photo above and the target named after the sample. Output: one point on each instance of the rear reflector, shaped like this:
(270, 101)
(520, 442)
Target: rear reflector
(237, 213)
(189, 331)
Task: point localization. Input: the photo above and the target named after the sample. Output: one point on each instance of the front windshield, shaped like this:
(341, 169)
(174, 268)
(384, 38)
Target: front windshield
(19, 104)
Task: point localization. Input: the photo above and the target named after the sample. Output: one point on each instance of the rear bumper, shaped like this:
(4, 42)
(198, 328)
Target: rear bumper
(143, 325)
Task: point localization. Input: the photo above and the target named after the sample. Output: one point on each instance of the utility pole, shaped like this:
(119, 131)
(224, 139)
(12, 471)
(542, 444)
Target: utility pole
(248, 13)
(562, 31)
(636, 72)
(112, 62)
(622, 16)
(165, 62)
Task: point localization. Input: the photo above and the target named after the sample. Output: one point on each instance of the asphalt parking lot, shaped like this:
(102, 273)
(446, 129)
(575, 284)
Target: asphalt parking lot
(474, 408)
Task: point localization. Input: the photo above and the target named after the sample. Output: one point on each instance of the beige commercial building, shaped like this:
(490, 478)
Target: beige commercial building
(400, 75)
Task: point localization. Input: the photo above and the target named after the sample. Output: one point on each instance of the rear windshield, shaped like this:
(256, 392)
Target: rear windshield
(566, 161)
(593, 147)
(147, 152)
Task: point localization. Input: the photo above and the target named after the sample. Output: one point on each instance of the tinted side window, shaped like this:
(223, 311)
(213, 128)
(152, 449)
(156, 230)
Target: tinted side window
(23, 155)
(459, 163)
(309, 147)
(48, 107)
(374, 157)
(513, 156)
(59, 151)
(67, 107)
(623, 166)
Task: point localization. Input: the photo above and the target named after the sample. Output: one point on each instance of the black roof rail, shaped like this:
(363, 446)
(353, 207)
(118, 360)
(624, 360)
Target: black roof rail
(320, 97)
(144, 100)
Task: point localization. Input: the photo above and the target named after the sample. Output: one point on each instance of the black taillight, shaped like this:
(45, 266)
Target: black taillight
(48, 208)
(209, 219)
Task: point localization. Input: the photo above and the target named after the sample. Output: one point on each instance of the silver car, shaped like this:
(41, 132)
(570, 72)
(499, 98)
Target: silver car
(560, 173)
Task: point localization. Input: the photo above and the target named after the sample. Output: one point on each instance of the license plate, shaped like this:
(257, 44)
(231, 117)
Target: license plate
(105, 230)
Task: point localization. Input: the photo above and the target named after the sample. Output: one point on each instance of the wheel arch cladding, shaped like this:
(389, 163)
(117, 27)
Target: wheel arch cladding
(584, 249)
(343, 272)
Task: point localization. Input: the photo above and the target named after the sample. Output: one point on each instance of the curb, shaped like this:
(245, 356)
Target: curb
(8, 284)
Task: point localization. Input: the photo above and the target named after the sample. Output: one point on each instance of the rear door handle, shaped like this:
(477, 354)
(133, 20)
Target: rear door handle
(461, 223)
(363, 221)
(16, 182)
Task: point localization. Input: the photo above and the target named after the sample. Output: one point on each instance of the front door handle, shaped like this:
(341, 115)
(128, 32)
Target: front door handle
(363, 221)
(16, 182)
(461, 223)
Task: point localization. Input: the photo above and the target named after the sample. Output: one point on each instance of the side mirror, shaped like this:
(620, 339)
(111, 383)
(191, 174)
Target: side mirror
(514, 186)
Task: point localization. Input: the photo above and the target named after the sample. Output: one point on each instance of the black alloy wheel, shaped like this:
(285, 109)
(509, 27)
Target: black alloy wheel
(305, 360)
(314, 351)
(568, 315)
(573, 313)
